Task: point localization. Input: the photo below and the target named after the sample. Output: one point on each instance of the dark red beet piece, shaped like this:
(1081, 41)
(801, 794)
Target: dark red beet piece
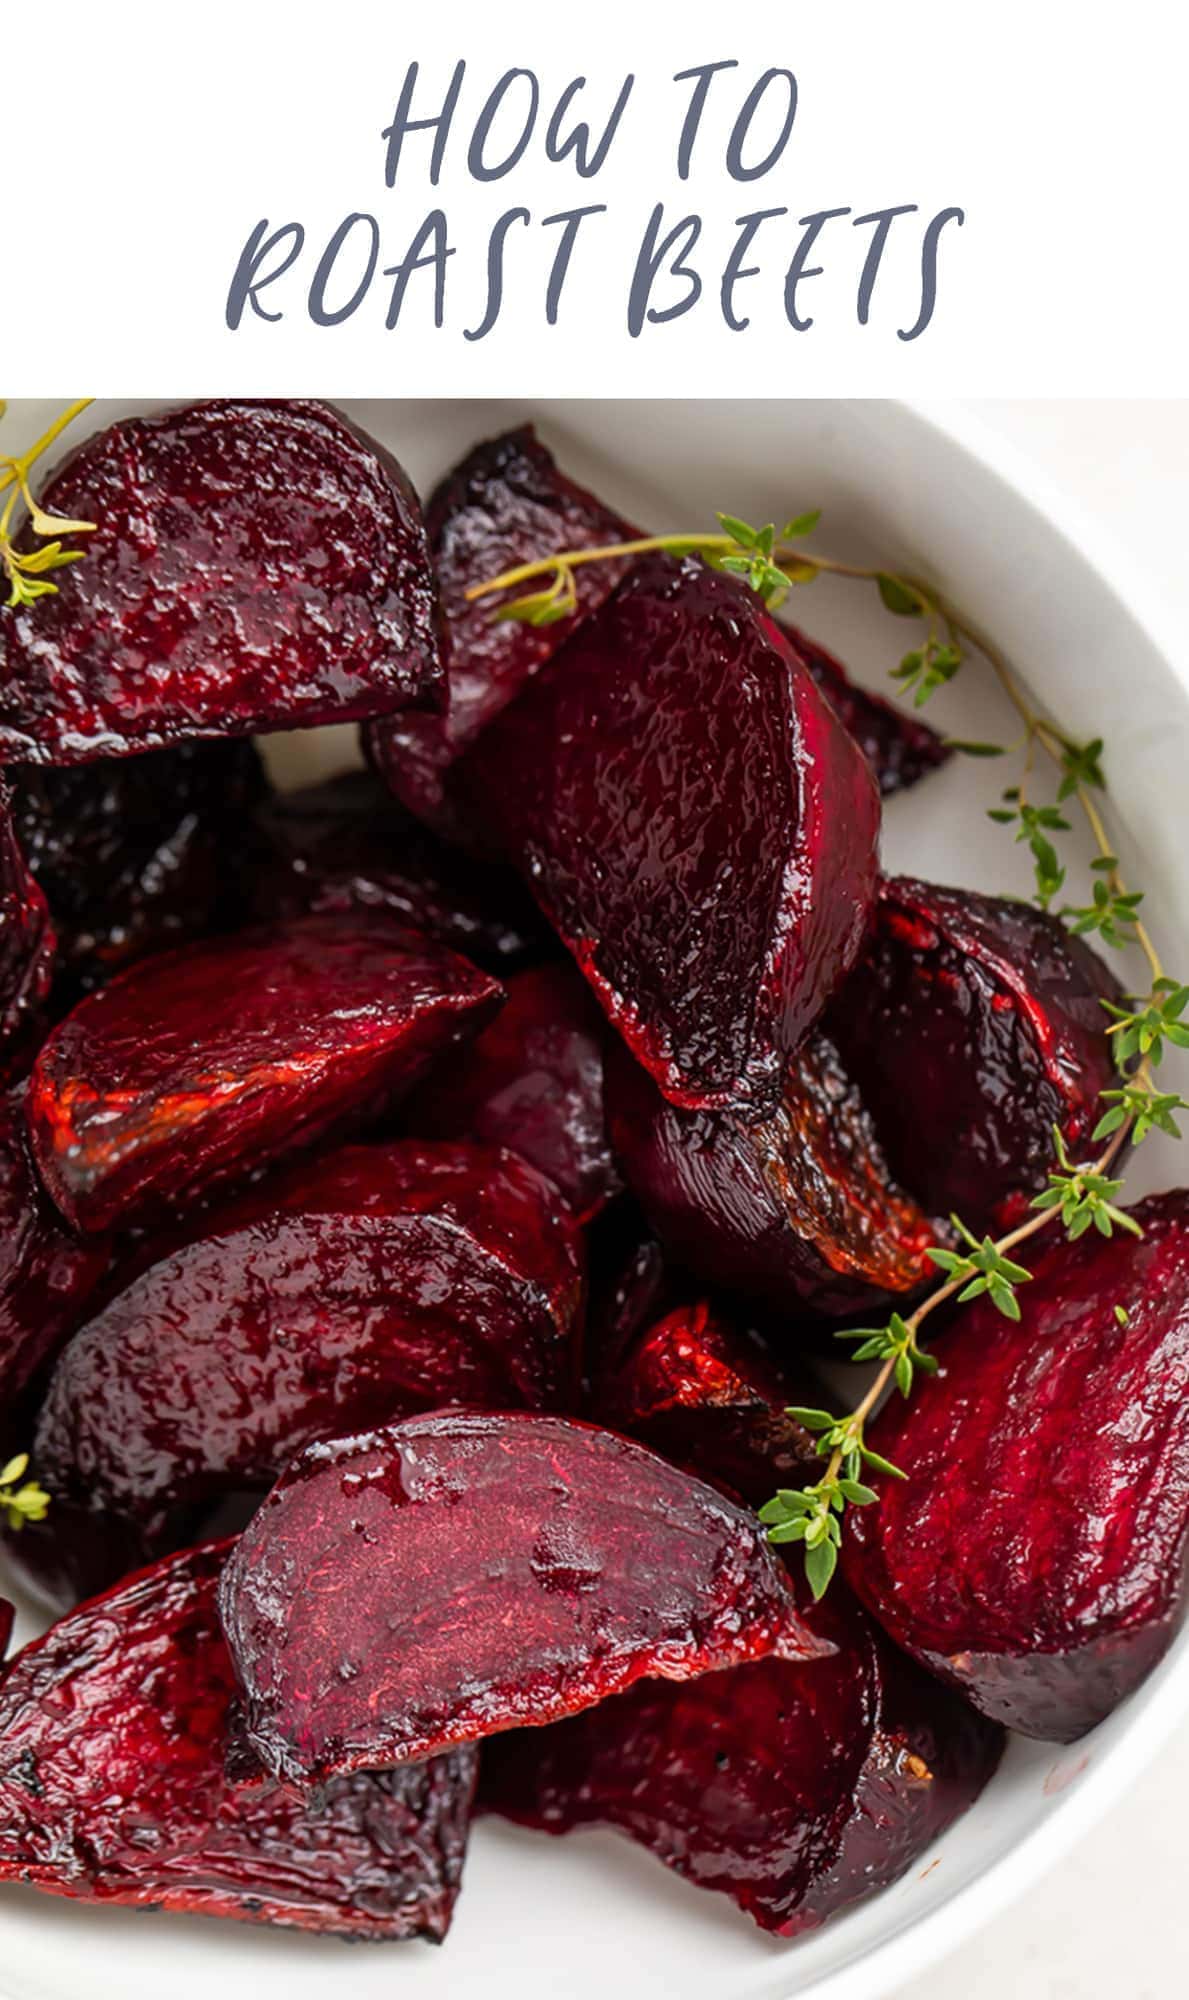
(114, 1729)
(794, 1211)
(27, 941)
(205, 1063)
(695, 821)
(533, 1081)
(509, 503)
(458, 1574)
(359, 1287)
(346, 844)
(46, 1274)
(794, 1789)
(256, 565)
(1035, 1553)
(135, 854)
(901, 749)
(505, 503)
(972, 1026)
(702, 1391)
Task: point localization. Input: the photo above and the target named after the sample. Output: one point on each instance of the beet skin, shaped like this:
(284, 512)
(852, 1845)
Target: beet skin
(505, 503)
(346, 844)
(114, 1731)
(207, 1063)
(533, 1081)
(795, 1789)
(358, 1287)
(796, 1212)
(460, 1574)
(695, 821)
(1035, 1553)
(136, 853)
(255, 566)
(27, 941)
(972, 1026)
(46, 1274)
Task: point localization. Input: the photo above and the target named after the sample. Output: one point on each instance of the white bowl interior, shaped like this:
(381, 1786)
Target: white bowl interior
(591, 1913)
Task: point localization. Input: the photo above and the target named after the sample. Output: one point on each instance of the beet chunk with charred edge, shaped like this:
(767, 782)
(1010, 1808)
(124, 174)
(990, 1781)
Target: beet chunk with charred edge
(346, 844)
(205, 1063)
(27, 940)
(458, 1574)
(255, 565)
(901, 749)
(46, 1274)
(1034, 1554)
(114, 1729)
(973, 1026)
(376, 1282)
(505, 503)
(795, 1209)
(794, 1789)
(135, 854)
(533, 1081)
(692, 816)
(703, 1392)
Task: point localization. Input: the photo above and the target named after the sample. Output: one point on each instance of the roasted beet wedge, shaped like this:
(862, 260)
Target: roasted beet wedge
(27, 941)
(901, 749)
(254, 566)
(46, 1274)
(459, 1574)
(135, 854)
(973, 1026)
(114, 1729)
(206, 1063)
(506, 503)
(795, 1211)
(1035, 1553)
(375, 1282)
(702, 1391)
(533, 1081)
(347, 845)
(794, 1789)
(691, 814)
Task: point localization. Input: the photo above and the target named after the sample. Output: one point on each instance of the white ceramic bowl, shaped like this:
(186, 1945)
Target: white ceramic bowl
(591, 1914)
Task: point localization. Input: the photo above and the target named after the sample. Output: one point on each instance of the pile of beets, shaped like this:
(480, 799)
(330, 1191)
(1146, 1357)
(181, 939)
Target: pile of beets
(424, 1195)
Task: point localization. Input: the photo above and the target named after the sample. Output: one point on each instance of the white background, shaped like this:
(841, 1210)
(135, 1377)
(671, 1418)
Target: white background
(143, 142)
(1110, 1920)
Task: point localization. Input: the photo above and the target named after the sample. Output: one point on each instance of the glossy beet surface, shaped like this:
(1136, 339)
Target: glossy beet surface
(136, 853)
(695, 820)
(346, 844)
(255, 566)
(505, 503)
(114, 1728)
(983, 1016)
(459, 1574)
(795, 1789)
(27, 941)
(702, 1391)
(1035, 1553)
(533, 1081)
(795, 1211)
(209, 1062)
(46, 1274)
(374, 1282)
(901, 749)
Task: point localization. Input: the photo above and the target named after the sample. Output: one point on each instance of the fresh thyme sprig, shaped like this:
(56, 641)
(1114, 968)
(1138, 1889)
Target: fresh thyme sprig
(1079, 1195)
(27, 570)
(21, 1502)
